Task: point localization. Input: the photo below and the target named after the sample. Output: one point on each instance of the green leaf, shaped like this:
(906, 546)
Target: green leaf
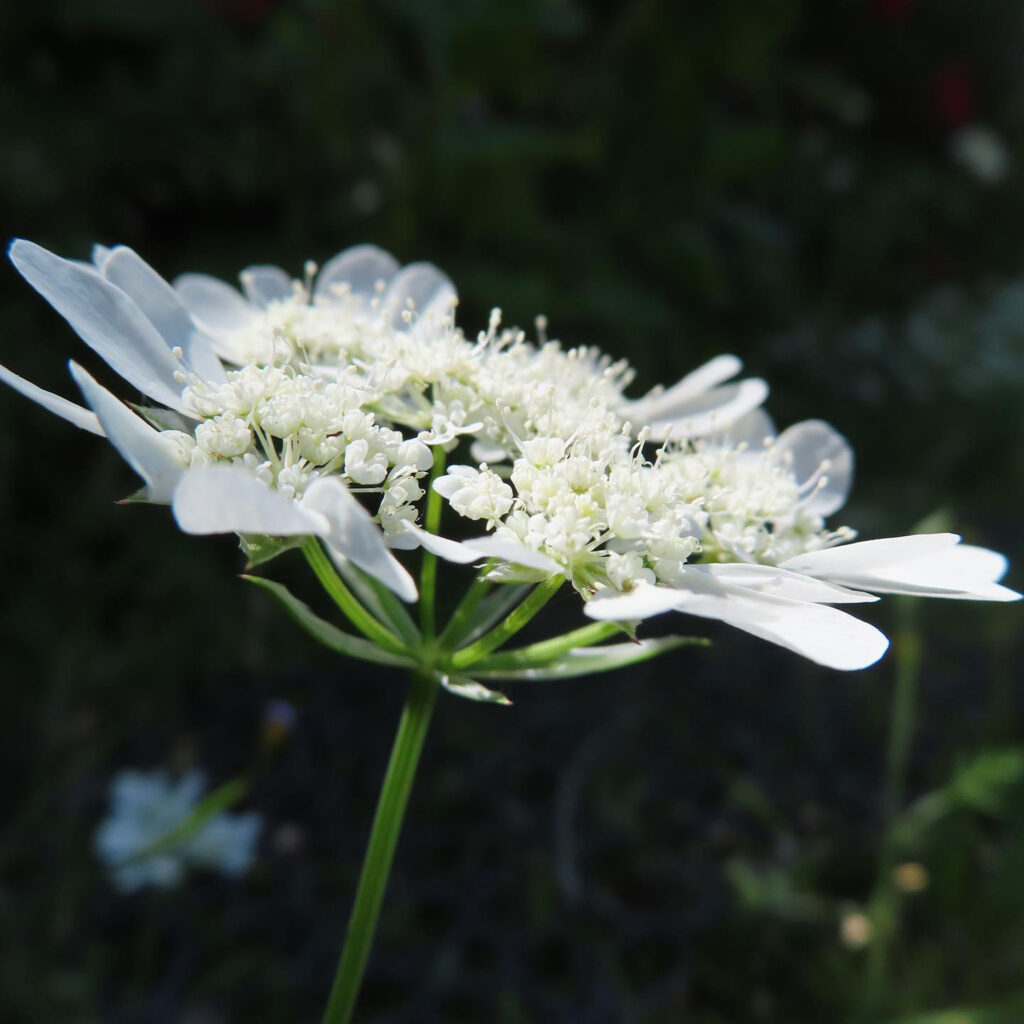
(463, 686)
(1009, 1012)
(259, 548)
(980, 783)
(380, 601)
(220, 799)
(164, 419)
(491, 609)
(585, 661)
(546, 651)
(328, 634)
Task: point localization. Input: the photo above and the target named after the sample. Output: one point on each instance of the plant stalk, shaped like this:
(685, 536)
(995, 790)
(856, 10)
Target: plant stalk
(380, 852)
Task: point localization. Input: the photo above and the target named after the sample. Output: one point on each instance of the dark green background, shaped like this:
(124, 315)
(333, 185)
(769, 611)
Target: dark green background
(665, 180)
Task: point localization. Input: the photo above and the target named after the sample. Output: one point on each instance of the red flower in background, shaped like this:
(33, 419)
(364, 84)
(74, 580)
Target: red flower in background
(953, 94)
(894, 10)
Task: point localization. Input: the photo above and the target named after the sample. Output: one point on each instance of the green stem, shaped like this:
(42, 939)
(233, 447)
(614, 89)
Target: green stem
(346, 600)
(547, 650)
(508, 627)
(469, 604)
(883, 908)
(428, 569)
(387, 823)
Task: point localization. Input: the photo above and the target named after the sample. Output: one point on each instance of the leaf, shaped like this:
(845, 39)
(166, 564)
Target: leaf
(210, 806)
(380, 601)
(259, 548)
(980, 783)
(493, 607)
(590, 660)
(328, 634)
(546, 651)
(463, 686)
(164, 419)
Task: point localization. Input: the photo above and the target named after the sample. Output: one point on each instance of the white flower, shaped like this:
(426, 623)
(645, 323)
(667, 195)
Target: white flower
(261, 449)
(145, 809)
(980, 150)
(282, 403)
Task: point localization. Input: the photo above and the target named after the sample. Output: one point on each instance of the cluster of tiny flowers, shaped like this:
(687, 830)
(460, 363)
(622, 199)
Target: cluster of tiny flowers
(337, 385)
(145, 809)
(318, 407)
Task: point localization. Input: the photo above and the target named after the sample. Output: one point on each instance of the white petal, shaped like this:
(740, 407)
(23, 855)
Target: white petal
(99, 254)
(264, 284)
(751, 429)
(713, 411)
(75, 414)
(810, 444)
(360, 267)
(104, 318)
(229, 499)
(162, 307)
(449, 550)
(769, 579)
(155, 457)
(426, 287)
(352, 532)
(642, 602)
(825, 635)
(517, 554)
(213, 304)
(661, 404)
(869, 555)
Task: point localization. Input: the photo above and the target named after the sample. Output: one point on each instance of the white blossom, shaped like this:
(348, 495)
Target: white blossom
(135, 841)
(315, 407)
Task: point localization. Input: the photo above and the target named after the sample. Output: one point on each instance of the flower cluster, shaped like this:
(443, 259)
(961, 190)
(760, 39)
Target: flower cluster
(137, 841)
(318, 407)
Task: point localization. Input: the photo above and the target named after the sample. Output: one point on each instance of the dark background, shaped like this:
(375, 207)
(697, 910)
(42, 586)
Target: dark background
(665, 180)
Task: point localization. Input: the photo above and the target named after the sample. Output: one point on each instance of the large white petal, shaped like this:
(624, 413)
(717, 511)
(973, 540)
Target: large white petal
(155, 457)
(810, 444)
(105, 318)
(353, 533)
(823, 634)
(751, 429)
(264, 284)
(429, 291)
(515, 553)
(713, 411)
(642, 602)
(212, 303)
(229, 499)
(663, 403)
(362, 267)
(869, 555)
(770, 579)
(162, 307)
(75, 414)
(964, 572)
(449, 550)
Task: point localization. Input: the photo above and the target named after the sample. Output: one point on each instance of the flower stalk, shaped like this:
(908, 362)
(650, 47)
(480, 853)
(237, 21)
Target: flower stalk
(380, 852)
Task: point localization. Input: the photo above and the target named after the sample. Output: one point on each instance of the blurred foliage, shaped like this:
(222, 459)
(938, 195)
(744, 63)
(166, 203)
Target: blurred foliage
(667, 180)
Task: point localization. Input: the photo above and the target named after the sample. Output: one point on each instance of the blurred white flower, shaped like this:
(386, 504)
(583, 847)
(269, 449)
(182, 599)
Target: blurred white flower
(145, 809)
(982, 151)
